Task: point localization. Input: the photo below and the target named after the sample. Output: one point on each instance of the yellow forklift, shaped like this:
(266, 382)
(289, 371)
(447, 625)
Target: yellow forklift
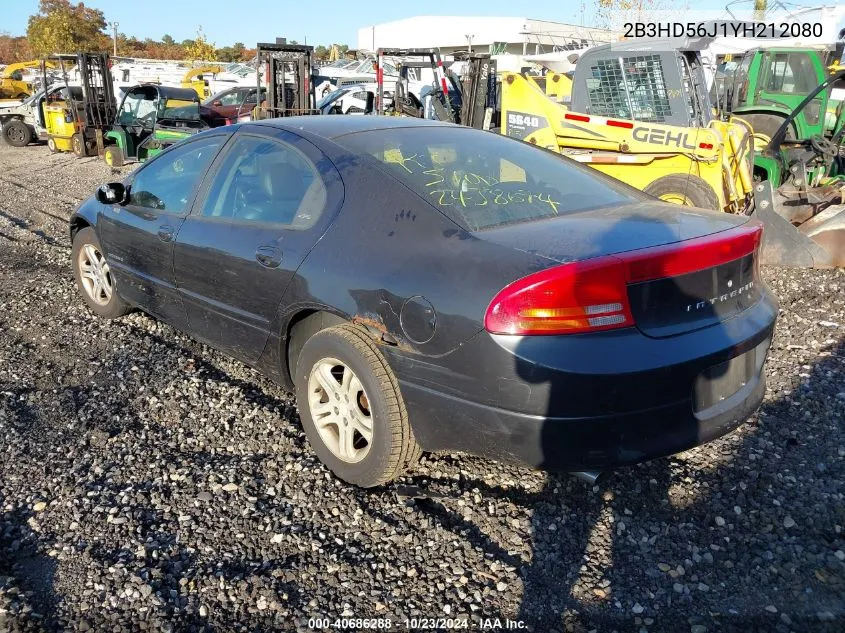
(77, 125)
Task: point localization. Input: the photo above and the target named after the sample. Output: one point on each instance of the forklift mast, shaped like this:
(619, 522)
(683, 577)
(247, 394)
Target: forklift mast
(99, 102)
(290, 91)
(434, 61)
(98, 109)
(480, 102)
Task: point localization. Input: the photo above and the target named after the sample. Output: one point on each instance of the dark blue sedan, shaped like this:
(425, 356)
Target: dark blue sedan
(426, 287)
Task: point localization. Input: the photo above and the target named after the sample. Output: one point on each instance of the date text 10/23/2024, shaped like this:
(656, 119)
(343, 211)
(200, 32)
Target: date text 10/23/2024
(416, 624)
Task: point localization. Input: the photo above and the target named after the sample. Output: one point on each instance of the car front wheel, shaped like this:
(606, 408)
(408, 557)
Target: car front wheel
(351, 407)
(93, 276)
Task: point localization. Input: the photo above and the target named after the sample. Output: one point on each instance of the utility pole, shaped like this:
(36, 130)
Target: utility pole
(114, 26)
(469, 42)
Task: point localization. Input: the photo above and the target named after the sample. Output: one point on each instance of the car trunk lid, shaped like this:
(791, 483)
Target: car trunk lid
(660, 268)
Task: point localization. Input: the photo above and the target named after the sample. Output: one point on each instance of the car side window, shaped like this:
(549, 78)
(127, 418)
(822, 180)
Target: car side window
(263, 180)
(167, 183)
(233, 98)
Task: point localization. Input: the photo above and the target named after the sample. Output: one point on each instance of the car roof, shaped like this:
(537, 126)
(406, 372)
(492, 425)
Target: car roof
(333, 126)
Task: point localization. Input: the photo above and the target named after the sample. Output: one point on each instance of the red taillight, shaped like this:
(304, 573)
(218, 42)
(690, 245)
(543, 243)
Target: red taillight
(687, 257)
(578, 297)
(592, 295)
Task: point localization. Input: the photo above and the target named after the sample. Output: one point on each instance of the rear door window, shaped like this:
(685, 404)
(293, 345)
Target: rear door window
(483, 180)
(264, 180)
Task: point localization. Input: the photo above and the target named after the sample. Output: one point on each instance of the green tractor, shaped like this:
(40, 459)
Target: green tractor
(764, 86)
(800, 188)
(150, 119)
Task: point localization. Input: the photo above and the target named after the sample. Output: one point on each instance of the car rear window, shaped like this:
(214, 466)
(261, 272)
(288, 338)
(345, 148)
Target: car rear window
(484, 180)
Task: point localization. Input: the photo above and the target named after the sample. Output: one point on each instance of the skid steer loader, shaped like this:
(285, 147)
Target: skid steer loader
(641, 113)
(644, 117)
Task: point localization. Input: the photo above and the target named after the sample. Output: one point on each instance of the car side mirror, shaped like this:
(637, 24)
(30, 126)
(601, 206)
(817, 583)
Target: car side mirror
(112, 193)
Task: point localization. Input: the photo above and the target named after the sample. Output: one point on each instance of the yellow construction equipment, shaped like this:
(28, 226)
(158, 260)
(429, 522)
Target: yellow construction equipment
(12, 84)
(554, 85)
(194, 79)
(63, 127)
(75, 119)
(638, 125)
(558, 86)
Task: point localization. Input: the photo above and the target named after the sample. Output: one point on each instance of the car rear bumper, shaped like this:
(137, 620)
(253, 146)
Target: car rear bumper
(573, 444)
(591, 403)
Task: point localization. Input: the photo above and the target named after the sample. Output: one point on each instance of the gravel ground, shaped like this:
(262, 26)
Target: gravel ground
(150, 483)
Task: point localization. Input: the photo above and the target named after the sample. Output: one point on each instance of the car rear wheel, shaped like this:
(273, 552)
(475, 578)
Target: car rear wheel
(351, 407)
(93, 276)
(688, 191)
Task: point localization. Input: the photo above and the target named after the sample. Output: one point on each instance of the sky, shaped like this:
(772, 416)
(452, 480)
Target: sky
(225, 22)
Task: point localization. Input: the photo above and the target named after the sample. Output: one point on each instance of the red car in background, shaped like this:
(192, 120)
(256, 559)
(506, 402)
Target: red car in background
(234, 103)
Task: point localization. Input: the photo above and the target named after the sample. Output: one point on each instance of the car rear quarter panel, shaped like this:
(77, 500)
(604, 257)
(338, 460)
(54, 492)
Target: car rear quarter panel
(389, 253)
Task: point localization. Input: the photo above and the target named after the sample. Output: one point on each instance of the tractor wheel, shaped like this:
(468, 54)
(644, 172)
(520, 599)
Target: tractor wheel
(113, 156)
(51, 145)
(17, 133)
(688, 191)
(78, 145)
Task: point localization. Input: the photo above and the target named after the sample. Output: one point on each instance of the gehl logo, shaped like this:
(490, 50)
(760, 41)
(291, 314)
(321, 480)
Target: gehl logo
(662, 137)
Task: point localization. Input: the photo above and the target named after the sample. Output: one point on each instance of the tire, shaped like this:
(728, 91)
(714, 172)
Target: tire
(391, 448)
(113, 156)
(767, 123)
(17, 133)
(78, 145)
(690, 191)
(51, 145)
(86, 247)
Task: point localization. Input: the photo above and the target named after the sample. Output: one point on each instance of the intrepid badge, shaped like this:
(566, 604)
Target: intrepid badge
(721, 298)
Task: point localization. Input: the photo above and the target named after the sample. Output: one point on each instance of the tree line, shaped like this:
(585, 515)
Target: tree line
(61, 26)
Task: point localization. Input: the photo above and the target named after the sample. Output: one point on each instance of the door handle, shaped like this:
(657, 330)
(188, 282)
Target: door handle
(268, 256)
(165, 233)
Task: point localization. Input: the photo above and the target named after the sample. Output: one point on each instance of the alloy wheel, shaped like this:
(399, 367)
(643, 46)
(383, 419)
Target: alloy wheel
(95, 274)
(340, 409)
